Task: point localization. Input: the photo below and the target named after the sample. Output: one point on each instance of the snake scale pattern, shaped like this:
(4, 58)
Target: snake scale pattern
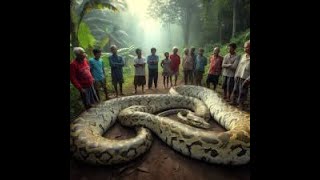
(231, 147)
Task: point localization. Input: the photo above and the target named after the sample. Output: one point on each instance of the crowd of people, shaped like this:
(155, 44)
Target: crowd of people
(88, 76)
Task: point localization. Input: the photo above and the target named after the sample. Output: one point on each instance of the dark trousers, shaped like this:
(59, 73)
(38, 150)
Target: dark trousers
(153, 77)
(240, 91)
(188, 76)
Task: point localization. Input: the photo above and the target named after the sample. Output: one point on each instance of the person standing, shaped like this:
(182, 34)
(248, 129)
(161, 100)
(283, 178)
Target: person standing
(82, 79)
(152, 61)
(215, 68)
(187, 64)
(242, 78)
(116, 63)
(174, 65)
(98, 73)
(201, 62)
(229, 66)
(139, 74)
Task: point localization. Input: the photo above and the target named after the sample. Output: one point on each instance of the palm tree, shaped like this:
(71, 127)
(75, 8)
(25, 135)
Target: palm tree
(78, 9)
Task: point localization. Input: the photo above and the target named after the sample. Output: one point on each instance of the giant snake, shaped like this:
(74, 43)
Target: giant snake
(142, 112)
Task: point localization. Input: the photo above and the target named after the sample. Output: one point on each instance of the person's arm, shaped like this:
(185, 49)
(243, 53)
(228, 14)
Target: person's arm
(111, 63)
(91, 66)
(157, 59)
(104, 73)
(224, 64)
(73, 77)
(161, 64)
(235, 63)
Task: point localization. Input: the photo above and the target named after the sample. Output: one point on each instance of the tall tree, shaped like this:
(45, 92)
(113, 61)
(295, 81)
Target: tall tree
(175, 12)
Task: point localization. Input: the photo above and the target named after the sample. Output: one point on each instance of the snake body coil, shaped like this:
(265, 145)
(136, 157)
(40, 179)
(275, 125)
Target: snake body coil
(230, 147)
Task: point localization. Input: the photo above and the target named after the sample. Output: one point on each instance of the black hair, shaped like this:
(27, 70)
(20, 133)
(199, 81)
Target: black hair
(153, 49)
(233, 45)
(137, 50)
(96, 51)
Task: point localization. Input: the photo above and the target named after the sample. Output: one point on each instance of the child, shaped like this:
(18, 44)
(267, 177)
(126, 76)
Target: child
(175, 62)
(201, 62)
(165, 64)
(140, 74)
(98, 73)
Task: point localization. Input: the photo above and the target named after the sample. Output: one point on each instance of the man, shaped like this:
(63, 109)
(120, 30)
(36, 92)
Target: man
(82, 79)
(229, 65)
(152, 61)
(174, 65)
(187, 64)
(215, 68)
(242, 77)
(116, 63)
(194, 57)
(98, 73)
(139, 74)
(201, 62)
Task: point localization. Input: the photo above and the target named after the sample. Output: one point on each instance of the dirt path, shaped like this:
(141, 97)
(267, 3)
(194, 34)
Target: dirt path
(160, 163)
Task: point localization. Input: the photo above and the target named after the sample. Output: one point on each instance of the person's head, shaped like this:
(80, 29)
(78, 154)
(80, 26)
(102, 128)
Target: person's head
(166, 54)
(192, 50)
(153, 51)
(247, 47)
(175, 50)
(79, 53)
(186, 51)
(138, 52)
(201, 51)
(232, 48)
(114, 49)
(97, 53)
(216, 51)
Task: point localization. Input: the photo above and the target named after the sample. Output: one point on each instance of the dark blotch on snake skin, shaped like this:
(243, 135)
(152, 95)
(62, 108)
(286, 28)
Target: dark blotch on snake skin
(173, 139)
(213, 152)
(83, 153)
(209, 140)
(194, 143)
(233, 147)
(242, 152)
(125, 153)
(100, 126)
(186, 136)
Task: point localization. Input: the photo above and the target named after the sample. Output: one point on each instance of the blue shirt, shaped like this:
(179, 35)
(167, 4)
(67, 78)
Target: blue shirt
(116, 63)
(152, 59)
(97, 69)
(201, 62)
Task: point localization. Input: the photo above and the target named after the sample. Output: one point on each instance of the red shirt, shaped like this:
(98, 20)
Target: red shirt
(175, 62)
(80, 74)
(215, 65)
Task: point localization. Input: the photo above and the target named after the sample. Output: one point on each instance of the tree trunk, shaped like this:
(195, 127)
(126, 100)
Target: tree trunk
(186, 30)
(234, 25)
(74, 35)
(169, 35)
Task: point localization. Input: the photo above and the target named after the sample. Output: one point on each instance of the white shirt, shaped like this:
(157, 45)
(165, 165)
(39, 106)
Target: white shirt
(229, 64)
(243, 70)
(140, 70)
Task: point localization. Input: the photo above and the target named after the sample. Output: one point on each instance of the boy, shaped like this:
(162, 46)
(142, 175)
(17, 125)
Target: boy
(140, 74)
(201, 62)
(165, 64)
(98, 73)
(174, 65)
(215, 68)
(153, 68)
(116, 63)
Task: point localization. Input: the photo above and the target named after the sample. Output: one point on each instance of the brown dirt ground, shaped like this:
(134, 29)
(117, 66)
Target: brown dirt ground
(160, 162)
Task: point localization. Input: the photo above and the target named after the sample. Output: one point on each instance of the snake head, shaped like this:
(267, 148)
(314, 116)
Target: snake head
(193, 120)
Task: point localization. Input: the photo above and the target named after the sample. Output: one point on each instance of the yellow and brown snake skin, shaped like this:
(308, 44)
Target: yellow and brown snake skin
(230, 147)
